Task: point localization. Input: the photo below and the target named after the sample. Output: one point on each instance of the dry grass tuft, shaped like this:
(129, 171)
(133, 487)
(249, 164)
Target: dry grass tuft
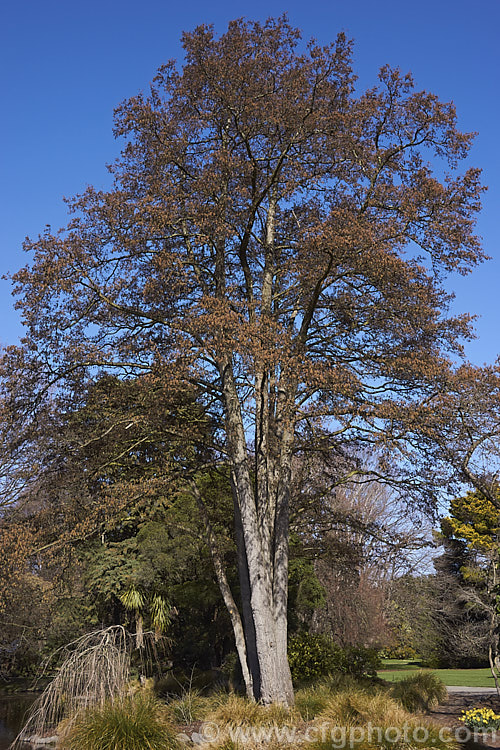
(359, 707)
(234, 710)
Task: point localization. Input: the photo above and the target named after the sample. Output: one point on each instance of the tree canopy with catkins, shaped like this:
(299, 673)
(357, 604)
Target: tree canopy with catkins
(278, 242)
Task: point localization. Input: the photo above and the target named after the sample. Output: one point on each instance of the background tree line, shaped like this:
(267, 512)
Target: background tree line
(112, 536)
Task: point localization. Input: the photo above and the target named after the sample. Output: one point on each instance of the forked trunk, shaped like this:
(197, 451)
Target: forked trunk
(260, 551)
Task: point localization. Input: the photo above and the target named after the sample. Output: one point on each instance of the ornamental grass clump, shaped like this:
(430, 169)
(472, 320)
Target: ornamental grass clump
(96, 670)
(191, 706)
(355, 707)
(235, 710)
(130, 723)
(481, 719)
(312, 700)
(370, 719)
(410, 737)
(419, 692)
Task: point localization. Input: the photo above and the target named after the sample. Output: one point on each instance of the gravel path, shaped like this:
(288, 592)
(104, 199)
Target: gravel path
(471, 690)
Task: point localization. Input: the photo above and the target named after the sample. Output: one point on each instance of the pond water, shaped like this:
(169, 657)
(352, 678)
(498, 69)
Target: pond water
(12, 711)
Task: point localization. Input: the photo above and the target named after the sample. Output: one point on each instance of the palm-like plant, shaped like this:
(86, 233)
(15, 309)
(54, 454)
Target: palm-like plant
(136, 600)
(133, 599)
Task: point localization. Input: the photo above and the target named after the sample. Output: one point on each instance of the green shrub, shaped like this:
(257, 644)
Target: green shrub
(399, 651)
(132, 723)
(362, 662)
(420, 691)
(432, 661)
(178, 682)
(312, 656)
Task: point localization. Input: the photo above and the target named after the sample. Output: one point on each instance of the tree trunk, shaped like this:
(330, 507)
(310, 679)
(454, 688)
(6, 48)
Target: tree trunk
(281, 551)
(225, 589)
(246, 608)
(493, 668)
(139, 630)
(275, 679)
(493, 632)
(261, 561)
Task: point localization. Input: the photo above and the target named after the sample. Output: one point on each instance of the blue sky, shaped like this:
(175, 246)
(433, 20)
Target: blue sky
(66, 65)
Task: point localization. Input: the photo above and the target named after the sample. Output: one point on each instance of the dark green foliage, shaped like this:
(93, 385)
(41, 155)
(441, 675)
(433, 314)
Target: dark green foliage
(315, 655)
(305, 593)
(361, 661)
(312, 656)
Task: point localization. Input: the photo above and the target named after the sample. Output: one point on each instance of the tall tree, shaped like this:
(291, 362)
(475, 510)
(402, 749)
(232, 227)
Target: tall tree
(278, 241)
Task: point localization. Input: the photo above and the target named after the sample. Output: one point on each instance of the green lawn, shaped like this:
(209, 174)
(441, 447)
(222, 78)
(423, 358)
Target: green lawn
(397, 669)
(394, 664)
